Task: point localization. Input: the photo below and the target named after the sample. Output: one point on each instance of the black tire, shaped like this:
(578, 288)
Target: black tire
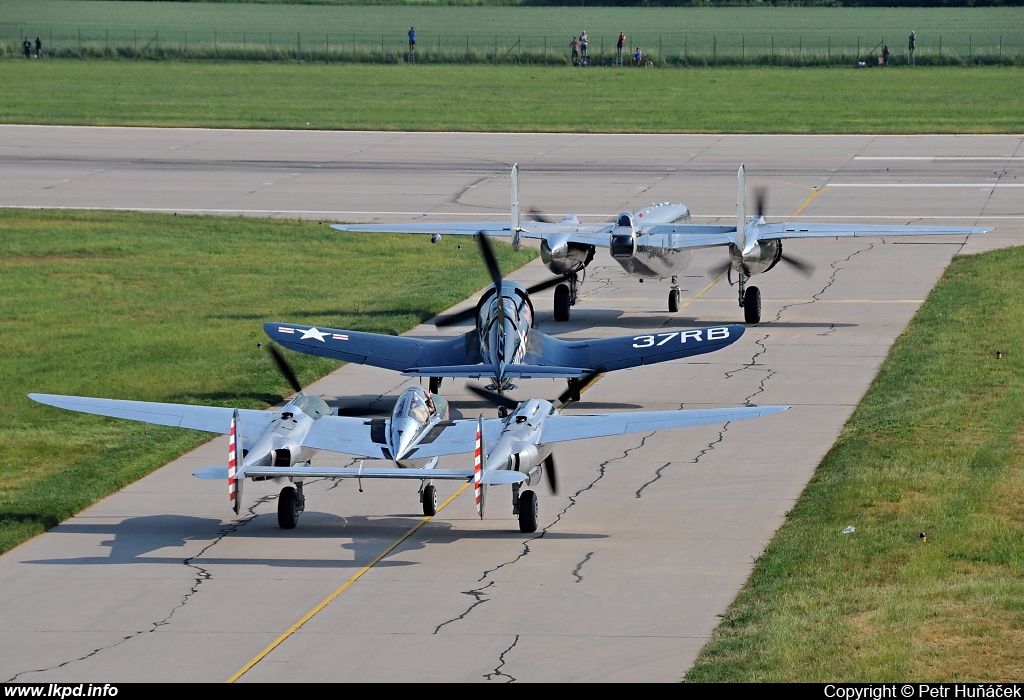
(528, 511)
(287, 509)
(502, 412)
(752, 305)
(673, 301)
(429, 500)
(562, 303)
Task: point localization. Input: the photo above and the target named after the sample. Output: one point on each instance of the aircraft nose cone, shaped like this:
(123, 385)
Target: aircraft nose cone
(403, 436)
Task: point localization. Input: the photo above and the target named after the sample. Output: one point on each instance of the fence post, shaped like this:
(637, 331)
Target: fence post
(773, 49)
(79, 43)
(970, 45)
(495, 48)
(467, 48)
(186, 46)
(245, 47)
(940, 48)
(800, 56)
(829, 51)
(659, 47)
(215, 55)
(106, 43)
(714, 50)
(545, 49)
(270, 45)
(858, 49)
(383, 57)
(327, 50)
(298, 45)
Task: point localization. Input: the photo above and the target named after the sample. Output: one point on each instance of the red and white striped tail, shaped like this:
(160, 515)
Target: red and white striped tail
(479, 464)
(234, 488)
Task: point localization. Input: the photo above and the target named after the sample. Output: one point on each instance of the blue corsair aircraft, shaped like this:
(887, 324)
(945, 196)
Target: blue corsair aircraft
(503, 346)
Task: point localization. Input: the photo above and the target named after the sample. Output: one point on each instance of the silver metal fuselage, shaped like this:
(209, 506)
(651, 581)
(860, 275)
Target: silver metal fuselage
(280, 445)
(518, 446)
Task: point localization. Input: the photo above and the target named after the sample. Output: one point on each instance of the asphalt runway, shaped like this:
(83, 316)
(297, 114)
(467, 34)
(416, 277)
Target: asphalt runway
(651, 536)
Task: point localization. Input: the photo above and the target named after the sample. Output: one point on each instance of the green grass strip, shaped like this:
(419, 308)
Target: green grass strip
(936, 446)
(164, 308)
(513, 98)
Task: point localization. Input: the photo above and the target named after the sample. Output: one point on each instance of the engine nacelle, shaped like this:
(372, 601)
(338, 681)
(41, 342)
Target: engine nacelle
(527, 461)
(435, 238)
(762, 257)
(563, 257)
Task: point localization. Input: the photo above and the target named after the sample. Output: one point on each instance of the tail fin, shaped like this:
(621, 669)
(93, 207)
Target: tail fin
(479, 466)
(235, 477)
(517, 230)
(741, 217)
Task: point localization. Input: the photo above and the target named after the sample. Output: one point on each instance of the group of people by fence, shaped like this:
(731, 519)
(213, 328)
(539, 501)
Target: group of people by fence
(579, 52)
(26, 47)
(911, 46)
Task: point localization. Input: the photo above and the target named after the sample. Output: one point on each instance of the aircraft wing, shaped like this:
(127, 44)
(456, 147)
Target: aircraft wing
(794, 229)
(212, 419)
(608, 354)
(389, 351)
(491, 477)
(561, 427)
(569, 230)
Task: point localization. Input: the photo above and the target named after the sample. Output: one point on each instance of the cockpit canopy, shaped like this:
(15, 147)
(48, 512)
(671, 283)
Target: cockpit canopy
(625, 219)
(414, 405)
(312, 406)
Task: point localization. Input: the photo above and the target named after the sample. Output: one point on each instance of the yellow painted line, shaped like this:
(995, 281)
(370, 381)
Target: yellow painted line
(816, 301)
(807, 201)
(701, 292)
(309, 616)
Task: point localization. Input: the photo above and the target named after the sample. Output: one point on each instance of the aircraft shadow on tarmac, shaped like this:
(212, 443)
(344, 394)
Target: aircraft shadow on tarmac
(364, 536)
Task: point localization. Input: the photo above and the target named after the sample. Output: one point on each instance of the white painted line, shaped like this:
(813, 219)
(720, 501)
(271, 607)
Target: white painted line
(980, 185)
(943, 158)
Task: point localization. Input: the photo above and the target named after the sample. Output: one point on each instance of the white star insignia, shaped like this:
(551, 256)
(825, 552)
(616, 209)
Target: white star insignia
(313, 333)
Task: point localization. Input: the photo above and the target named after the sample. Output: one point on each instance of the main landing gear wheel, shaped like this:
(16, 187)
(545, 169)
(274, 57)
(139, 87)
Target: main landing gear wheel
(562, 302)
(288, 508)
(429, 500)
(673, 301)
(528, 511)
(752, 305)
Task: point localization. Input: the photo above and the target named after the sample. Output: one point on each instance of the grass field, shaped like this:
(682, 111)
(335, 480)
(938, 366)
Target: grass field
(478, 98)
(280, 31)
(934, 447)
(164, 308)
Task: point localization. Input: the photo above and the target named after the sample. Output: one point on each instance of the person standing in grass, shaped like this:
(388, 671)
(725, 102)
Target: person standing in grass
(27, 47)
(911, 45)
(885, 55)
(412, 41)
(574, 45)
(39, 47)
(619, 45)
(584, 40)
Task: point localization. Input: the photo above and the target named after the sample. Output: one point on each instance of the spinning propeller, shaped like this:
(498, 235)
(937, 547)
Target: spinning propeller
(760, 207)
(570, 394)
(492, 268)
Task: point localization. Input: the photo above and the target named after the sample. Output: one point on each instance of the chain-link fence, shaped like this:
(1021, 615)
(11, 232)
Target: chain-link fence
(667, 49)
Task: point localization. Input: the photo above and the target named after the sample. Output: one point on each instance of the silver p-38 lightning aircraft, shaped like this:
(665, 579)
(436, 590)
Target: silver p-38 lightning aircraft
(658, 242)
(277, 445)
(503, 345)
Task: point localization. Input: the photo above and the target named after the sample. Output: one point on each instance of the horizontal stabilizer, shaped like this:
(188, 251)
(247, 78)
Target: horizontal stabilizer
(502, 476)
(212, 473)
(488, 371)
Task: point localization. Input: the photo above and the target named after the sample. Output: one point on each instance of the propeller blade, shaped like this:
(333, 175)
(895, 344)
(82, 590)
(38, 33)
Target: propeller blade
(714, 272)
(549, 471)
(456, 318)
(489, 259)
(802, 266)
(547, 284)
(494, 397)
(760, 201)
(576, 389)
(535, 214)
(285, 368)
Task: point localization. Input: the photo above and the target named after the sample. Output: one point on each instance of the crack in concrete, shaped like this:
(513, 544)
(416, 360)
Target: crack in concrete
(576, 571)
(202, 575)
(478, 593)
(497, 672)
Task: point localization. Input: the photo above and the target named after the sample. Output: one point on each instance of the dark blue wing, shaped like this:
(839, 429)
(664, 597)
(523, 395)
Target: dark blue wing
(609, 354)
(388, 351)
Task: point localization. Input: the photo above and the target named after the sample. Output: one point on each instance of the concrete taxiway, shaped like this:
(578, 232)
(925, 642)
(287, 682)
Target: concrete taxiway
(651, 535)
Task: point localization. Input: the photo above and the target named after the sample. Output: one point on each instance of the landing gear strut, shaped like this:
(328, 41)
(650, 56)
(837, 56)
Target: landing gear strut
(673, 296)
(750, 301)
(565, 297)
(290, 503)
(435, 384)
